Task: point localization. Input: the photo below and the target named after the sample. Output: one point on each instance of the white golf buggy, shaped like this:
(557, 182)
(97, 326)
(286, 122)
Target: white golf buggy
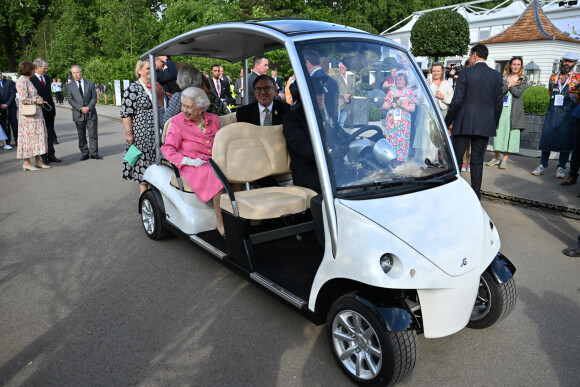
(396, 244)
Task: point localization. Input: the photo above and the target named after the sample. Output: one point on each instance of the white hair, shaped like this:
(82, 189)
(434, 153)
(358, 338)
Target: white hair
(197, 96)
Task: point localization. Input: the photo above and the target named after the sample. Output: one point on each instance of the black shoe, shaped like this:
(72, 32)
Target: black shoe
(84, 157)
(55, 142)
(45, 159)
(96, 156)
(54, 159)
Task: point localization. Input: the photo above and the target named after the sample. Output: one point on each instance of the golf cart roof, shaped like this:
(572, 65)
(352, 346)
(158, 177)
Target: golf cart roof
(241, 40)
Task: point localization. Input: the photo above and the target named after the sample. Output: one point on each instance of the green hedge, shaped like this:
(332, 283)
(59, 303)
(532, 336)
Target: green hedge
(536, 100)
(374, 114)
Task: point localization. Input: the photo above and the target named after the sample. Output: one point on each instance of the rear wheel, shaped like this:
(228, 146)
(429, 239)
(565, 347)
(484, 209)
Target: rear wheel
(152, 217)
(493, 302)
(363, 348)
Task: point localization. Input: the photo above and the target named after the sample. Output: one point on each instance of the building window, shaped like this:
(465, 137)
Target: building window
(496, 30)
(473, 34)
(484, 33)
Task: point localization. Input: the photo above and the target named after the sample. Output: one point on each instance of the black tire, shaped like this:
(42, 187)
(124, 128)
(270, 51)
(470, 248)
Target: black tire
(493, 302)
(359, 339)
(152, 217)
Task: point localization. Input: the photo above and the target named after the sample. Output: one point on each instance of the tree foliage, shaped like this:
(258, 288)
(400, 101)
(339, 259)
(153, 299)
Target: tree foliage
(105, 36)
(440, 33)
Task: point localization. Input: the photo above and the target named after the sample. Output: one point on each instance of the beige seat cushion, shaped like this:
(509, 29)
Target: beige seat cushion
(246, 152)
(270, 202)
(228, 119)
(186, 186)
(165, 130)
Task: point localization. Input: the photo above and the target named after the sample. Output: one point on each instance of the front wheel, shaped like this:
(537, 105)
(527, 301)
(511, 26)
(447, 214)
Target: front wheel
(363, 348)
(152, 217)
(493, 302)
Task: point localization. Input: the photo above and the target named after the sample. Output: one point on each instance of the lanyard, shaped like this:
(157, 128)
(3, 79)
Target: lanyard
(565, 84)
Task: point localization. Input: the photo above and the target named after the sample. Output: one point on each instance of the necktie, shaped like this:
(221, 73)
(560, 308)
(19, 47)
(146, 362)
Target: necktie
(81, 89)
(42, 81)
(267, 118)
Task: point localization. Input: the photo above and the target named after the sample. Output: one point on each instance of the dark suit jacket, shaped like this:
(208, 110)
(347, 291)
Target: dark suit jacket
(477, 102)
(239, 83)
(167, 78)
(251, 96)
(45, 93)
(76, 101)
(279, 83)
(330, 94)
(224, 93)
(8, 95)
(251, 113)
(299, 145)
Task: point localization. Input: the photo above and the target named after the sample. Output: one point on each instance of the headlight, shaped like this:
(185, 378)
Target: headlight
(386, 262)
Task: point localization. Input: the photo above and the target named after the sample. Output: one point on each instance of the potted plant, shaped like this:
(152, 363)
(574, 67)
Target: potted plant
(536, 100)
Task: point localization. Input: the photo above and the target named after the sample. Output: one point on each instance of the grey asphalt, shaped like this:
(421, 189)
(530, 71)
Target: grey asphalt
(86, 299)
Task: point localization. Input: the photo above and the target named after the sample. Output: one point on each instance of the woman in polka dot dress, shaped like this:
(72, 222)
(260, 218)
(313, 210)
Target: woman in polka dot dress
(137, 115)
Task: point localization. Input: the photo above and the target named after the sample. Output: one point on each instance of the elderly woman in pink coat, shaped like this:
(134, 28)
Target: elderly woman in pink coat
(189, 144)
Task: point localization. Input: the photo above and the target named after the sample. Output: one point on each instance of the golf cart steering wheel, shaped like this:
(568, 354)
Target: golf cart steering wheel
(375, 137)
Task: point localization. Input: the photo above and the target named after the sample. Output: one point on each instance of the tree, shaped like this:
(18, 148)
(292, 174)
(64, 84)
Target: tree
(439, 34)
(128, 26)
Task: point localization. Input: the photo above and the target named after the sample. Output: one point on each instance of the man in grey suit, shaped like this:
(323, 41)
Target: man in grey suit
(82, 97)
(346, 89)
(474, 111)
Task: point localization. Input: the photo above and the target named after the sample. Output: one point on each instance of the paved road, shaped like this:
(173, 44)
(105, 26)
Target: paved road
(87, 299)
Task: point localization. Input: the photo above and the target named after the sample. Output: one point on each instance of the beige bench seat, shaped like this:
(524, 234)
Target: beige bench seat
(270, 202)
(246, 152)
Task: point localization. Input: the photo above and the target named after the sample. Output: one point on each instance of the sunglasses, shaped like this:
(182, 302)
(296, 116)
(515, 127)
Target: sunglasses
(518, 57)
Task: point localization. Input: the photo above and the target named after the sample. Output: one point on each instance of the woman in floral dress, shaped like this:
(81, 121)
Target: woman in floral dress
(32, 137)
(137, 115)
(399, 103)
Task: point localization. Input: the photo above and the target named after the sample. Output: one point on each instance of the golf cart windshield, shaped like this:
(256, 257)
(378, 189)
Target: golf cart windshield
(379, 124)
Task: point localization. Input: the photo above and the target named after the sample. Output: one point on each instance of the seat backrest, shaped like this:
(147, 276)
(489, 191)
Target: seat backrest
(165, 130)
(246, 152)
(228, 119)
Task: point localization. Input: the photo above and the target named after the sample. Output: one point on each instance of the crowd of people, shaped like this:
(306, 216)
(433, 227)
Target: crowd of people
(193, 101)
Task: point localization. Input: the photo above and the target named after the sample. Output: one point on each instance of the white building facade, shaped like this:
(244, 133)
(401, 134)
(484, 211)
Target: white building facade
(558, 32)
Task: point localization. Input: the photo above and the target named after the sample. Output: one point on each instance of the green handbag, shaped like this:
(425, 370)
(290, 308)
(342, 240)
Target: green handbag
(132, 155)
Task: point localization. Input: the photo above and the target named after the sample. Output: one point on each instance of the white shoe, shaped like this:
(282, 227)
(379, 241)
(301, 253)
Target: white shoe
(7, 147)
(540, 170)
(560, 173)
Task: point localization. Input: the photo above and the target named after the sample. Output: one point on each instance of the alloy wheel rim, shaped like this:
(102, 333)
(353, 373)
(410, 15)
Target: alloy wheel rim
(482, 301)
(147, 217)
(357, 344)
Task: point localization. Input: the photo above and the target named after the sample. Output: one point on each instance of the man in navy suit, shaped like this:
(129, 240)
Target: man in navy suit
(330, 88)
(82, 97)
(474, 111)
(221, 86)
(8, 108)
(265, 111)
(42, 84)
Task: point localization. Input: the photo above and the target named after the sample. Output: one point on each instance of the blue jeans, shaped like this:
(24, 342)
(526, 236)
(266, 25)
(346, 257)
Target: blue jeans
(562, 160)
(342, 114)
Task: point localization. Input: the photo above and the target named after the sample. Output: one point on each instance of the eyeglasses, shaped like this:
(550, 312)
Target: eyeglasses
(518, 57)
(436, 63)
(265, 88)
(187, 108)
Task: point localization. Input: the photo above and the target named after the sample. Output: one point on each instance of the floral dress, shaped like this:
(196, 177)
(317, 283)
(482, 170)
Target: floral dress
(398, 131)
(32, 137)
(137, 105)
